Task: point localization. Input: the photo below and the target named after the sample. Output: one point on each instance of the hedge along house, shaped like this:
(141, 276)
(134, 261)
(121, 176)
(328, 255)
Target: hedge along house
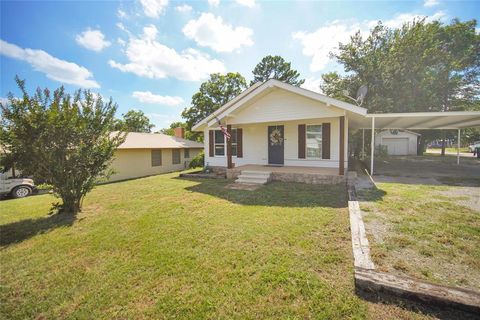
(292, 133)
(146, 154)
(283, 132)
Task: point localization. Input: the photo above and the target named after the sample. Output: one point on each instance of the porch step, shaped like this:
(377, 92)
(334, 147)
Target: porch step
(253, 177)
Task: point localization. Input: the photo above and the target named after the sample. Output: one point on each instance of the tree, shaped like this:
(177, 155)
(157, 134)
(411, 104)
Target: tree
(61, 139)
(134, 121)
(275, 67)
(419, 67)
(213, 94)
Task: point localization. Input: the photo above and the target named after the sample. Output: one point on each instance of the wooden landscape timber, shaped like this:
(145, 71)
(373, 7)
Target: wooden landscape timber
(368, 280)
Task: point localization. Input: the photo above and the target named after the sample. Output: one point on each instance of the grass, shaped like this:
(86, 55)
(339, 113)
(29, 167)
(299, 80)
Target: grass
(163, 247)
(454, 149)
(422, 231)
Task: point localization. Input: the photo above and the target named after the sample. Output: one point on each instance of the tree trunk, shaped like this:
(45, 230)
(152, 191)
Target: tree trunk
(443, 142)
(71, 204)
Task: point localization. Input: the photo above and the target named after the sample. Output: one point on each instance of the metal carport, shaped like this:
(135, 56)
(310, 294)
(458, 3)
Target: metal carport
(456, 120)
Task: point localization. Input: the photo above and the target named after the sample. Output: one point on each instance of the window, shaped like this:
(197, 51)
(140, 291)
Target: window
(156, 158)
(219, 143)
(175, 156)
(186, 153)
(314, 141)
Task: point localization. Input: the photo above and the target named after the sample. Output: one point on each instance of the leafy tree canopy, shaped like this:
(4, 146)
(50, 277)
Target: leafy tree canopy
(61, 139)
(419, 67)
(213, 93)
(134, 121)
(275, 67)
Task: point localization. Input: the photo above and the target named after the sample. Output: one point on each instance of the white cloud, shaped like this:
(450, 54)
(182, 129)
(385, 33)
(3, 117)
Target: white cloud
(183, 8)
(430, 3)
(54, 68)
(312, 84)
(121, 14)
(154, 8)
(121, 42)
(319, 43)
(213, 32)
(148, 97)
(3, 101)
(149, 58)
(92, 40)
(246, 3)
(214, 3)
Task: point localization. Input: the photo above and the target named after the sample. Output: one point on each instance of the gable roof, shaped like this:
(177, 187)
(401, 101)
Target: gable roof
(258, 88)
(138, 140)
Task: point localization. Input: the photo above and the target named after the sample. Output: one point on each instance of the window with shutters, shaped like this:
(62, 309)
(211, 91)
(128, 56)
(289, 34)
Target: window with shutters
(314, 141)
(175, 156)
(186, 154)
(156, 158)
(219, 143)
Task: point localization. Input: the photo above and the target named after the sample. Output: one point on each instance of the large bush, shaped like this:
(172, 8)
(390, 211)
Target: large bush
(198, 161)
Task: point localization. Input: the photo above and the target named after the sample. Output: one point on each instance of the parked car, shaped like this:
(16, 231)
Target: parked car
(16, 187)
(474, 145)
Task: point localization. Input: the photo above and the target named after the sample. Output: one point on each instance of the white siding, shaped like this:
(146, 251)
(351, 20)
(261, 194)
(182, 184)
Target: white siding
(281, 105)
(255, 144)
(386, 134)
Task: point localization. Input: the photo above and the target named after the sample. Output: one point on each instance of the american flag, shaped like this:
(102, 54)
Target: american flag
(225, 132)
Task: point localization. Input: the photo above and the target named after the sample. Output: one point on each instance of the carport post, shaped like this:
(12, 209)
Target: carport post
(372, 146)
(363, 144)
(458, 148)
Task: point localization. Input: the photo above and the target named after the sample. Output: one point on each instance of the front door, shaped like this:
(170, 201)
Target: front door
(275, 145)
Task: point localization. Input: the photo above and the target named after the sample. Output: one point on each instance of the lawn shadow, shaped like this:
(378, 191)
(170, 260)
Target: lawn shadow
(437, 312)
(274, 194)
(24, 229)
(370, 195)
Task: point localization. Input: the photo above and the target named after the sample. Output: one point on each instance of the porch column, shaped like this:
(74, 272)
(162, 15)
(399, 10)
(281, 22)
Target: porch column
(229, 148)
(363, 144)
(458, 148)
(342, 146)
(372, 146)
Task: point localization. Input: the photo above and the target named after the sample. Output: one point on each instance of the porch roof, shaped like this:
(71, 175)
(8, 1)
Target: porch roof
(417, 120)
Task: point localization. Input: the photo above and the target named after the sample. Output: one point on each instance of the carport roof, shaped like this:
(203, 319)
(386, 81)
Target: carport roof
(417, 120)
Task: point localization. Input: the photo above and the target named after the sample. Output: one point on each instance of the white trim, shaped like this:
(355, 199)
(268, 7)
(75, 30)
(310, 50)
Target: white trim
(251, 92)
(424, 114)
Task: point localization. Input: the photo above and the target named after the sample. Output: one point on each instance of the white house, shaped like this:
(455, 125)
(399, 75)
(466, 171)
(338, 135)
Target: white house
(277, 124)
(398, 142)
(288, 133)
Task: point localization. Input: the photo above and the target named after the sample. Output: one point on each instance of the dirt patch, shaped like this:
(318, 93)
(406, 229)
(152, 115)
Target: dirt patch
(464, 196)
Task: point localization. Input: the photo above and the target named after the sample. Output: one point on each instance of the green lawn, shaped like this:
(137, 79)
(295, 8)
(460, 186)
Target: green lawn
(164, 247)
(425, 231)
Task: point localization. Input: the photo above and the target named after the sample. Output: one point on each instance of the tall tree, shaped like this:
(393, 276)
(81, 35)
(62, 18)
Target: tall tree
(419, 67)
(63, 140)
(275, 67)
(213, 94)
(134, 121)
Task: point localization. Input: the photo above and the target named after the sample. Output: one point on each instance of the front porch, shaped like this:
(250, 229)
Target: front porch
(311, 175)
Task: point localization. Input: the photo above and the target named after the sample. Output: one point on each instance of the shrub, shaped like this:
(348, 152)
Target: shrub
(198, 161)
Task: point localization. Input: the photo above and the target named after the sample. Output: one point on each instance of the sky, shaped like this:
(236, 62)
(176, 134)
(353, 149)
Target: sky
(152, 55)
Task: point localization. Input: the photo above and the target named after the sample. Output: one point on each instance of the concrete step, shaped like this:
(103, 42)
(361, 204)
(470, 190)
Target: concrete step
(253, 177)
(251, 181)
(252, 172)
(256, 176)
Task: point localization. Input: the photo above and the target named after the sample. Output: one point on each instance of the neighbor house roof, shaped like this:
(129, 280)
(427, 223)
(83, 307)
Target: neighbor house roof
(259, 88)
(137, 140)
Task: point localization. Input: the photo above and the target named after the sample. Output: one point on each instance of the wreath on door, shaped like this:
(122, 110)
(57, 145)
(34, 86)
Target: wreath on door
(276, 137)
